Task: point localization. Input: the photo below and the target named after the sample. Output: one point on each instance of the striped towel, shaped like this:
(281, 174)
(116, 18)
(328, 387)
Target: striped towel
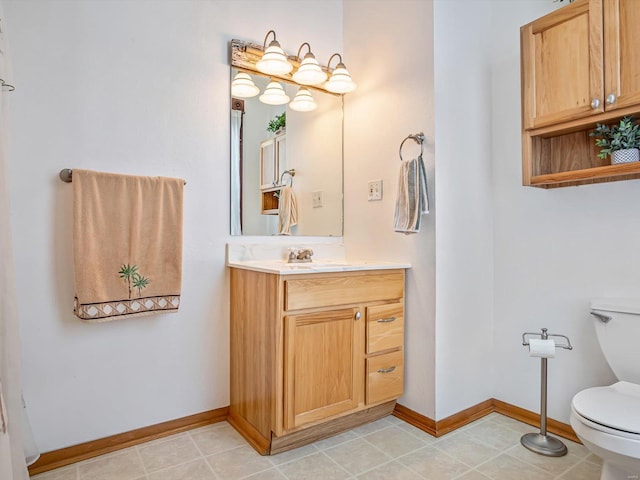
(413, 198)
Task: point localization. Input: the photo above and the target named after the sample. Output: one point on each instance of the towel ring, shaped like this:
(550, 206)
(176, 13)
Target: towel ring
(419, 139)
(291, 173)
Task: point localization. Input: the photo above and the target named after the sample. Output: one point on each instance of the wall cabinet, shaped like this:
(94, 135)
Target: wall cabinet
(272, 163)
(580, 66)
(313, 354)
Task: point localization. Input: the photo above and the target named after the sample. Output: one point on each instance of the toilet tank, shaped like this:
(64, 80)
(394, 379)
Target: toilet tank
(619, 338)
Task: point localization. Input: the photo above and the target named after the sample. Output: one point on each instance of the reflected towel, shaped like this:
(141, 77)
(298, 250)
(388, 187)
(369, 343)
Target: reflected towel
(127, 242)
(413, 199)
(287, 211)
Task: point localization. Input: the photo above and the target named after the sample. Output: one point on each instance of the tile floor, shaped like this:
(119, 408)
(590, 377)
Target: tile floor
(386, 449)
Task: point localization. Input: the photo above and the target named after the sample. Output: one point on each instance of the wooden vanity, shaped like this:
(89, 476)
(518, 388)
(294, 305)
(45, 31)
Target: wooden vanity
(313, 354)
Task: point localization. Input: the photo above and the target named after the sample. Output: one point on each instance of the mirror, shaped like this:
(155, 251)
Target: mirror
(309, 147)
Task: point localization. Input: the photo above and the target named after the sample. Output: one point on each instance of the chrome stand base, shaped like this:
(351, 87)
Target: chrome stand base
(543, 444)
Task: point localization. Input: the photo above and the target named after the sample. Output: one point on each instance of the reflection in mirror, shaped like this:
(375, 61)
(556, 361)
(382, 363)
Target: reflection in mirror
(310, 144)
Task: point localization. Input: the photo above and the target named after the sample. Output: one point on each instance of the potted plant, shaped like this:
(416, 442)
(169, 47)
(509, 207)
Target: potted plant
(278, 124)
(620, 141)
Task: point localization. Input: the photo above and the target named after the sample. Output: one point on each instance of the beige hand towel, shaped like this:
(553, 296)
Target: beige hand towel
(127, 242)
(287, 211)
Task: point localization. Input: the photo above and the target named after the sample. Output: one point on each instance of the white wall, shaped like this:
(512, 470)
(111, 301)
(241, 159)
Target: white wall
(464, 223)
(554, 249)
(389, 53)
(133, 87)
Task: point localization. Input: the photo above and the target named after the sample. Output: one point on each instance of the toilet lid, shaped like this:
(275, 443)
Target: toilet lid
(616, 406)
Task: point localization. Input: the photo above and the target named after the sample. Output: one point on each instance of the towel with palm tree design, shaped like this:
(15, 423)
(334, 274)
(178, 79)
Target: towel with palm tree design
(127, 245)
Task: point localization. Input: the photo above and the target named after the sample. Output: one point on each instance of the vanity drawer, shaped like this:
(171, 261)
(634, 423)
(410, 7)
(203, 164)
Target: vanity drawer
(385, 327)
(342, 290)
(385, 375)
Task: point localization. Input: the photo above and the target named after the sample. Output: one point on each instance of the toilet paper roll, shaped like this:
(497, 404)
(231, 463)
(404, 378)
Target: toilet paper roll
(542, 348)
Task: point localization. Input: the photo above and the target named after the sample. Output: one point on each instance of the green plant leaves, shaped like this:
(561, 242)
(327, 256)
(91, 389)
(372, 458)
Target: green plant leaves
(280, 121)
(626, 134)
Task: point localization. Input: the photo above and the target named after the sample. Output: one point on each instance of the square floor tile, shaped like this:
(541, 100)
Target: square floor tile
(238, 463)
(124, 465)
(168, 452)
(357, 456)
(195, 470)
(469, 450)
(494, 435)
(290, 455)
(390, 471)
(314, 467)
(433, 464)
(505, 467)
(394, 441)
(217, 438)
(583, 471)
(553, 465)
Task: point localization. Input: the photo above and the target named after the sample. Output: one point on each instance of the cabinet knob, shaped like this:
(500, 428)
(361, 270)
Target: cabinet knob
(358, 315)
(595, 103)
(611, 99)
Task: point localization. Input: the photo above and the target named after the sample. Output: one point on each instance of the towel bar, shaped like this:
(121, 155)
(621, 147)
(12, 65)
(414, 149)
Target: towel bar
(66, 175)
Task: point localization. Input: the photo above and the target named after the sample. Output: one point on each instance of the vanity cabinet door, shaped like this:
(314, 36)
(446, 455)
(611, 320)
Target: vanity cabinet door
(323, 365)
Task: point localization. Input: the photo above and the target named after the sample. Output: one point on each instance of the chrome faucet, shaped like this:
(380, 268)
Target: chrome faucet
(300, 256)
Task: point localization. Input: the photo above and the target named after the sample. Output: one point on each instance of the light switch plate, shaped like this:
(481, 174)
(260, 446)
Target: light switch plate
(375, 190)
(317, 199)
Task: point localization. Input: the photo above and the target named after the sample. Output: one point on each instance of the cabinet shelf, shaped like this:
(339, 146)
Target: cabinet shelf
(606, 173)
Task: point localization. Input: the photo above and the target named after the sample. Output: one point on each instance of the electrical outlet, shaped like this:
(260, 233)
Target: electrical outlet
(375, 190)
(317, 199)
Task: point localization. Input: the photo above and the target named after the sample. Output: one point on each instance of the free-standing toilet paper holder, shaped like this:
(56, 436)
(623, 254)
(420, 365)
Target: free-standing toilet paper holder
(541, 442)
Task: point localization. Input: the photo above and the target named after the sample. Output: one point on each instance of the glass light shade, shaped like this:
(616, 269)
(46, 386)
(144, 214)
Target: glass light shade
(303, 101)
(274, 95)
(243, 86)
(340, 81)
(274, 61)
(309, 71)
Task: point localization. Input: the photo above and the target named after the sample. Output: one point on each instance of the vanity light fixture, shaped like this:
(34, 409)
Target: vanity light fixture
(273, 61)
(303, 101)
(243, 86)
(274, 94)
(340, 80)
(309, 72)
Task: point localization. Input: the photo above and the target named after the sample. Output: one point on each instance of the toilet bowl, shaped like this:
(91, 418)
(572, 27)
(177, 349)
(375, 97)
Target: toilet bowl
(607, 419)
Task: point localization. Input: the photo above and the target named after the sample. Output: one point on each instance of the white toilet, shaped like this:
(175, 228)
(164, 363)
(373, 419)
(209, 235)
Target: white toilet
(607, 419)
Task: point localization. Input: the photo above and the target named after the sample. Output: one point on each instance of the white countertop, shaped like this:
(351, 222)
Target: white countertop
(281, 267)
(326, 258)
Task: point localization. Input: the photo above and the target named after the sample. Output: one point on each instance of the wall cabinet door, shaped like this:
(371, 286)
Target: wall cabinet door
(323, 365)
(562, 76)
(268, 164)
(622, 53)
(272, 160)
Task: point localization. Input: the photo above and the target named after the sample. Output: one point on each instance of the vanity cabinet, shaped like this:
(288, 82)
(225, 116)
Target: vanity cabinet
(313, 354)
(580, 66)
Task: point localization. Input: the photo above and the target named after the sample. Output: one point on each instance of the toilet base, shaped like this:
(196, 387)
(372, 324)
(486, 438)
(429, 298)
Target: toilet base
(543, 444)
